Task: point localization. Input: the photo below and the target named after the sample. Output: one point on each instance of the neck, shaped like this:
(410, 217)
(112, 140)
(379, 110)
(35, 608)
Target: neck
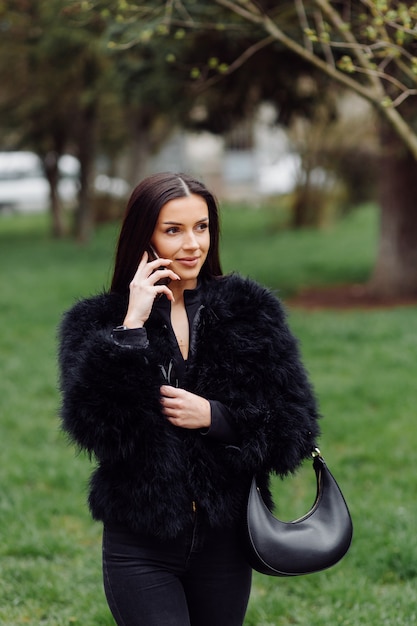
(178, 288)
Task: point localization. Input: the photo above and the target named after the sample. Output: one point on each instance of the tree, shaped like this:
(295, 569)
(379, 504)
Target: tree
(26, 86)
(52, 66)
(367, 46)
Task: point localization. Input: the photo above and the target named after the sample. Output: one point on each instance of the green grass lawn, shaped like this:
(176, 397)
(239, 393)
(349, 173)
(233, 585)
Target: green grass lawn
(363, 366)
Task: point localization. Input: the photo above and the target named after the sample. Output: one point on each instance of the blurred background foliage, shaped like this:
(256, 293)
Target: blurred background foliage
(68, 86)
(111, 82)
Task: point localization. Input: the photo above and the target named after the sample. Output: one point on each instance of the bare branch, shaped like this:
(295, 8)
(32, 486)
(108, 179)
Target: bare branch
(249, 52)
(254, 17)
(406, 70)
(327, 51)
(384, 76)
(369, 49)
(169, 7)
(370, 94)
(384, 19)
(373, 92)
(347, 35)
(182, 10)
(403, 96)
(385, 40)
(198, 25)
(299, 6)
(394, 46)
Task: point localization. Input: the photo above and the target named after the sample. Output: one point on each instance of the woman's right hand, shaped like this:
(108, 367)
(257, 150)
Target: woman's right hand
(144, 290)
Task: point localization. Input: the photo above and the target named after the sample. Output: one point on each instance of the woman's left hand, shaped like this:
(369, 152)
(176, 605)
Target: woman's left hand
(185, 409)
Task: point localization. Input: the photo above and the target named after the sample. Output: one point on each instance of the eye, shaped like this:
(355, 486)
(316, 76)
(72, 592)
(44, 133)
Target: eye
(172, 230)
(202, 226)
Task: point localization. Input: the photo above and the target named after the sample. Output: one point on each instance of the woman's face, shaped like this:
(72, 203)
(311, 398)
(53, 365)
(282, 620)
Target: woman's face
(182, 234)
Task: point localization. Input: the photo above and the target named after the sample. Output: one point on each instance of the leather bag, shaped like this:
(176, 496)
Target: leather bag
(309, 544)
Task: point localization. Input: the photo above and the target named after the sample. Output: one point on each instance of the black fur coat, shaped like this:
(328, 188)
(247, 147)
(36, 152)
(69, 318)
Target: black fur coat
(148, 471)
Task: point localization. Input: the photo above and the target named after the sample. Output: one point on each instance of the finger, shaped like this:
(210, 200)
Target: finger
(160, 289)
(172, 407)
(152, 265)
(168, 391)
(169, 403)
(157, 263)
(170, 411)
(160, 273)
(142, 264)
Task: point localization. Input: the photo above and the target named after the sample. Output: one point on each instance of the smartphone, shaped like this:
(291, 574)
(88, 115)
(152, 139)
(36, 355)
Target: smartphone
(152, 257)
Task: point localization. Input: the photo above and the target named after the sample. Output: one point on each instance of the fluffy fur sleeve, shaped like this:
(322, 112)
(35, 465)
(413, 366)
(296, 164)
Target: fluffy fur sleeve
(254, 367)
(110, 393)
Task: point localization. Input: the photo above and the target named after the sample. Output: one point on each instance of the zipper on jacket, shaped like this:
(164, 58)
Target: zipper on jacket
(193, 333)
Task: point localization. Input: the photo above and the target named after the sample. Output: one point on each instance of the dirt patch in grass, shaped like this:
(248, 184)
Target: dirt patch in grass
(341, 297)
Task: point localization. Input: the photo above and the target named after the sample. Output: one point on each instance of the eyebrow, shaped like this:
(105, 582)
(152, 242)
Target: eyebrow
(203, 219)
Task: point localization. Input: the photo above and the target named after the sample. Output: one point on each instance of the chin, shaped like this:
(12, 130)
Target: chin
(189, 277)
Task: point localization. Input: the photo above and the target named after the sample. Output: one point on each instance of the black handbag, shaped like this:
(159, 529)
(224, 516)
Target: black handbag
(309, 544)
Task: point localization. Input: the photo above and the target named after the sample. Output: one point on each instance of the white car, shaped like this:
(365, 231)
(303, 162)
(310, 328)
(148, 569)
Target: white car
(23, 185)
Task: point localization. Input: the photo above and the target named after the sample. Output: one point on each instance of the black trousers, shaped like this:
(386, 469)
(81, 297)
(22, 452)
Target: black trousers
(197, 579)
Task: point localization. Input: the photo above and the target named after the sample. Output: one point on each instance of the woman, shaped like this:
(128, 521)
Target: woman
(182, 383)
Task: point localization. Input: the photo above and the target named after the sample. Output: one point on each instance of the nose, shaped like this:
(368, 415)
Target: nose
(190, 241)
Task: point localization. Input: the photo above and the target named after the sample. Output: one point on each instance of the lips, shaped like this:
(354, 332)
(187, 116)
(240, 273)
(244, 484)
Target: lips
(189, 261)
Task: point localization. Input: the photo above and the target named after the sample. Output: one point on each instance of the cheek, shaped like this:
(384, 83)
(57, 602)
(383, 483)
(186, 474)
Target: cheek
(207, 241)
(204, 248)
(166, 249)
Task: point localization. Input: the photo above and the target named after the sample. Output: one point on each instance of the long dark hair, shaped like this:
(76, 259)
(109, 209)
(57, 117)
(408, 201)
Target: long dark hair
(141, 217)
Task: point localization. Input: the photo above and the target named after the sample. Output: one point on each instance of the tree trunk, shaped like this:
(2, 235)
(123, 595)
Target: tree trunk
(140, 152)
(148, 133)
(50, 164)
(395, 272)
(84, 215)
(301, 206)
